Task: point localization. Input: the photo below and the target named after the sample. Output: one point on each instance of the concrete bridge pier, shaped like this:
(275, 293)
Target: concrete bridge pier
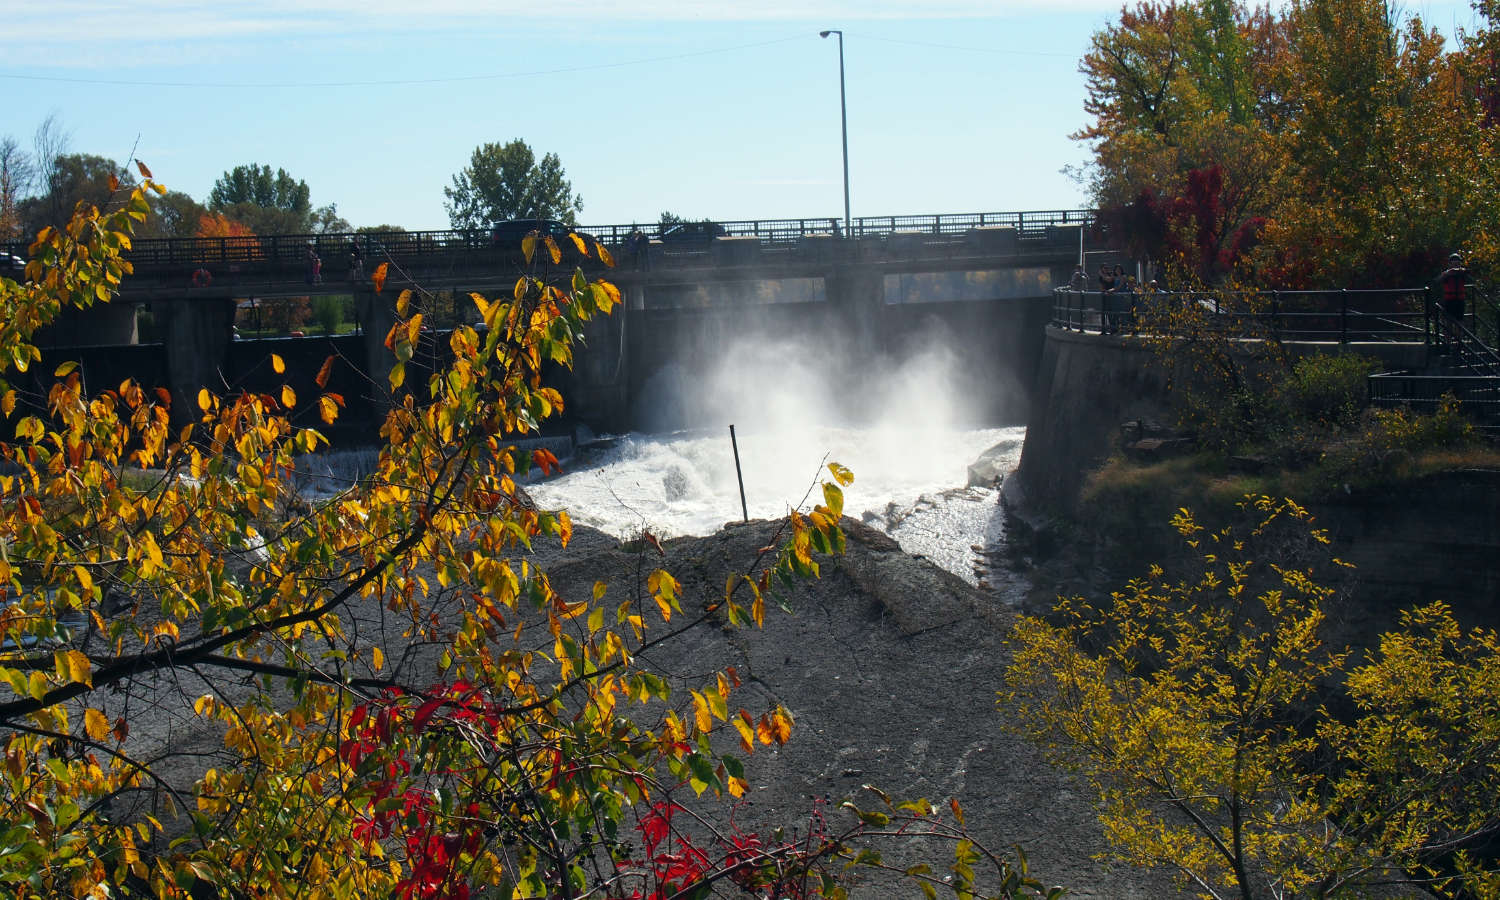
(196, 334)
(376, 314)
(597, 391)
(856, 299)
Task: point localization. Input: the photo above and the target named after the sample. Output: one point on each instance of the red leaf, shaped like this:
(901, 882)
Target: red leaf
(425, 713)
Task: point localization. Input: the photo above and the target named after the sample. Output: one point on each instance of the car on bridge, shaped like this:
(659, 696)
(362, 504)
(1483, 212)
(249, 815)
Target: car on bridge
(507, 237)
(692, 235)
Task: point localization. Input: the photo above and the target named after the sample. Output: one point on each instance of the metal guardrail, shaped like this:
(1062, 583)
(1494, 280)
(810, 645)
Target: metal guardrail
(1402, 316)
(1478, 395)
(1057, 227)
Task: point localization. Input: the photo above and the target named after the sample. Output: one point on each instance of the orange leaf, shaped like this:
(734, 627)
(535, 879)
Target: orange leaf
(324, 372)
(378, 278)
(145, 172)
(958, 812)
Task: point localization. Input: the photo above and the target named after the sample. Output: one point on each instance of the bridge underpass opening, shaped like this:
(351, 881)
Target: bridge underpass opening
(736, 293)
(985, 284)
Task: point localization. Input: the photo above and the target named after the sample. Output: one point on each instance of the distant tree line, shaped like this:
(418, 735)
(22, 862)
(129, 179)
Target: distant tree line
(41, 185)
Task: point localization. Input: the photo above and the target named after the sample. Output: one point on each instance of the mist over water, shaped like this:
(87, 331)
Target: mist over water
(905, 426)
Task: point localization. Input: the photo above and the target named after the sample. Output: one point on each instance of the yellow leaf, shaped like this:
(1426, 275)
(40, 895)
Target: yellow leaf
(328, 409)
(72, 665)
(604, 256)
(65, 368)
(204, 400)
(288, 396)
(737, 787)
(840, 474)
(95, 724)
(277, 364)
(701, 714)
(398, 374)
(379, 658)
(743, 725)
(204, 704)
(403, 303)
(528, 247)
(578, 242)
(599, 589)
(553, 250)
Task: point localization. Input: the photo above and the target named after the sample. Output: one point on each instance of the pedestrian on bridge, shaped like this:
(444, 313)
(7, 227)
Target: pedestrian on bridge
(634, 242)
(314, 265)
(1454, 281)
(356, 260)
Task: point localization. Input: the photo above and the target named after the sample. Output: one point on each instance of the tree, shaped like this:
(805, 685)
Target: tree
(16, 173)
(257, 185)
(69, 180)
(221, 690)
(328, 312)
(1195, 710)
(175, 214)
(217, 225)
(506, 182)
(269, 203)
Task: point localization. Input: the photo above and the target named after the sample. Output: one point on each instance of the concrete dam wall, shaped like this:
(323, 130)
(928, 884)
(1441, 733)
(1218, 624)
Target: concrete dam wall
(633, 367)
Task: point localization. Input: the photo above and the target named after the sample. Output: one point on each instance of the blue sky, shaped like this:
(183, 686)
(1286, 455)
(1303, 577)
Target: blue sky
(749, 129)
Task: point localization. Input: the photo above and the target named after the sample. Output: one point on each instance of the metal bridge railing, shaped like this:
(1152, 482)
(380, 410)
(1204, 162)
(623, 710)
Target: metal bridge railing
(1054, 230)
(1478, 395)
(1403, 316)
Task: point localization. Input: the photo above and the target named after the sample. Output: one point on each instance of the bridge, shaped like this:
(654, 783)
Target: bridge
(686, 296)
(276, 266)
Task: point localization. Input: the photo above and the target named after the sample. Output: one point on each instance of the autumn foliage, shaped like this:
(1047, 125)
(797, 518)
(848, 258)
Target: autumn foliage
(1325, 143)
(219, 689)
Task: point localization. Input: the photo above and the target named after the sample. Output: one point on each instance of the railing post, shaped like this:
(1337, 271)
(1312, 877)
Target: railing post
(1427, 315)
(1276, 313)
(1344, 316)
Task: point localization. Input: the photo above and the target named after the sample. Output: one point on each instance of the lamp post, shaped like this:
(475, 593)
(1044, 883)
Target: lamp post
(844, 111)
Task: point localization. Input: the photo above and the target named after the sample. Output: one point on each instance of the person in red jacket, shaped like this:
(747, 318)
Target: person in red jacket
(1454, 283)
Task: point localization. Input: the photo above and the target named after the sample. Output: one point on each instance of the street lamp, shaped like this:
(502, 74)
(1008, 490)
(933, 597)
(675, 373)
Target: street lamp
(844, 110)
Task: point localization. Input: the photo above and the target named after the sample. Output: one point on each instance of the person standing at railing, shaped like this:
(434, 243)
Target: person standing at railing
(1454, 282)
(1079, 281)
(314, 265)
(356, 260)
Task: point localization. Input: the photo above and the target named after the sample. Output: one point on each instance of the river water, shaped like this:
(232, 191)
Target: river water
(909, 483)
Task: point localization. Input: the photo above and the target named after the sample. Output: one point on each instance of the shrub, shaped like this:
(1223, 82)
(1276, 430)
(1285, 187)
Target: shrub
(328, 312)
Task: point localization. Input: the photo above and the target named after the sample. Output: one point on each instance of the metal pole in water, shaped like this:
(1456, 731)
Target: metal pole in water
(744, 510)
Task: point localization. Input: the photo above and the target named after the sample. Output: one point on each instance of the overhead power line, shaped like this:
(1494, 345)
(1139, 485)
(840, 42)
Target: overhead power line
(502, 75)
(868, 37)
(308, 84)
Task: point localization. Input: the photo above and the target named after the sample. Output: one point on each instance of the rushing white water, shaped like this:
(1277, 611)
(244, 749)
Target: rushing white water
(908, 482)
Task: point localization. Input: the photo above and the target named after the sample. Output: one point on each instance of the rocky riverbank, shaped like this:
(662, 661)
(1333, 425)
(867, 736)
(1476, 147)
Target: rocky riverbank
(890, 665)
